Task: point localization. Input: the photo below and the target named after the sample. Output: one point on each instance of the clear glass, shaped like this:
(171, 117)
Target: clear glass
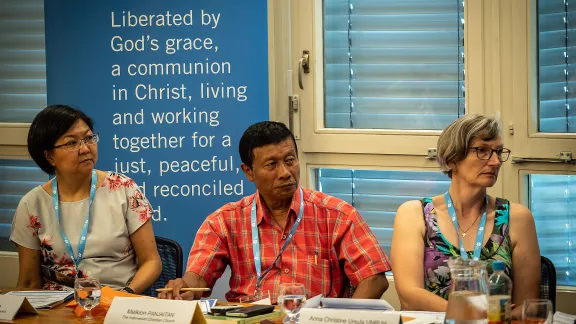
(403, 72)
(467, 301)
(537, 311)
(550, 198)
(291, 297)
(87, 294)
(556, 66)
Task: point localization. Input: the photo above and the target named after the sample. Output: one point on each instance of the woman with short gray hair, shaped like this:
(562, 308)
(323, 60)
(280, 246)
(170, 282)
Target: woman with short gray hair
(464, 222)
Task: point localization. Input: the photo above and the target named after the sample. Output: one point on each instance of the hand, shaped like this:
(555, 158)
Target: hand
(176, 286)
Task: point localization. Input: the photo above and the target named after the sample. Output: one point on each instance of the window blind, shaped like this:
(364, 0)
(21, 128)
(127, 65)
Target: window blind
(552, 199)
(393, 64)
(22, 60)
(377, 194)
(557, 66)
(17, 177)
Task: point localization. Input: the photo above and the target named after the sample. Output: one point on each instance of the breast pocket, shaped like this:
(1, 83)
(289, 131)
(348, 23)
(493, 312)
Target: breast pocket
(320, 276)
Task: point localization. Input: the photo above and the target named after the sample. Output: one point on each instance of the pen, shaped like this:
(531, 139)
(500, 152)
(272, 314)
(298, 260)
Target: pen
(183, 289)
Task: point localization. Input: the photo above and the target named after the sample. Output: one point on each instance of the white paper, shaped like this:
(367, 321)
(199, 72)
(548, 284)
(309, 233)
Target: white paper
(42, 299)
(204, 306)
(265, 301)
(425, 317)
(313, 302)
(143, 311)
(349, 303)
(330, 315)
(563, 318)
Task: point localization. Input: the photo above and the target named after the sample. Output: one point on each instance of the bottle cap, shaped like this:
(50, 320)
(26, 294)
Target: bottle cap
(498, 265)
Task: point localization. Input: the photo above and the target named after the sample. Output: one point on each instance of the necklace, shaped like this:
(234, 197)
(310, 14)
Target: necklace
(469, 227)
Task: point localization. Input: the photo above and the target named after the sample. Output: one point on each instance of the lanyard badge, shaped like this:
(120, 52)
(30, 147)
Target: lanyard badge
(256, 240)
(84, 232)
(479, 234)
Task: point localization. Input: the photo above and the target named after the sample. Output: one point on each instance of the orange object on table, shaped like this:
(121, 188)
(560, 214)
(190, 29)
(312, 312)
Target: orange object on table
(101, 309)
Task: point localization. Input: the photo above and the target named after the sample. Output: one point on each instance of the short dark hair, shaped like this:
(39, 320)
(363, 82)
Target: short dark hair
(47, 127)
(261, 134)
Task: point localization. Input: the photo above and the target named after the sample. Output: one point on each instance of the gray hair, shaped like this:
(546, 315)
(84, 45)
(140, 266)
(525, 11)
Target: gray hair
(455, 140)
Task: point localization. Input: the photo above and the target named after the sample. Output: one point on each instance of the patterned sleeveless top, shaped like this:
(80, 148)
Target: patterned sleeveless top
(438, 250)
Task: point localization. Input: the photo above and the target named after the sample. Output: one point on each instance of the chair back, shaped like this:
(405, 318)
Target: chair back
(548, 281)
(171, 256)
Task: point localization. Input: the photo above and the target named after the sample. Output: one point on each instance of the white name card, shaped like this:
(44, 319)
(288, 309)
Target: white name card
(10, 305)
(347, 316)
(149, 310)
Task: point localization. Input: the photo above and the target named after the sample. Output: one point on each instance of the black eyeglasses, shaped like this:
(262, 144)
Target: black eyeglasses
(75, 145)
(485, 153)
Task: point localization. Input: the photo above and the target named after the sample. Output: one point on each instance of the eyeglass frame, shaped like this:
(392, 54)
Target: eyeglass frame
(84, 140)
(502, 150)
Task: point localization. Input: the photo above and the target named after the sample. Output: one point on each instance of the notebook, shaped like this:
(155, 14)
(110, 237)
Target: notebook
(44, 299)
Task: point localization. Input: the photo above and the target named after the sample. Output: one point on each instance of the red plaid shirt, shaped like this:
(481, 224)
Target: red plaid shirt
(332, 247)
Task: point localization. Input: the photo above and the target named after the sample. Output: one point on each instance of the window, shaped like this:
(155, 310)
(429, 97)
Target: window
(22, 60)
(17, 177)
(552, 198)
(377, 194)
(557, 66)
(22, 96)
(392, 64)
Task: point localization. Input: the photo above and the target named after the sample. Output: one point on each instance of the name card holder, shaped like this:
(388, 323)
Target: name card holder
(347, 316)
(11, 305)
(149, 310)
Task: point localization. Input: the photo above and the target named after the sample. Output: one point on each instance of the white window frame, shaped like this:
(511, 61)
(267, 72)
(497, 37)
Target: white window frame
(309, 121)
(520, 84)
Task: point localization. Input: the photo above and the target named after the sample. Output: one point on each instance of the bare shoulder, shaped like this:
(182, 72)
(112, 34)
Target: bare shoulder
(520, 214)
(409, 211)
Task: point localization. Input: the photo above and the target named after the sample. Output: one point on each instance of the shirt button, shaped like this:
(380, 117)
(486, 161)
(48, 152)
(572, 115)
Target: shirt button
(286, 270)
(283, 237)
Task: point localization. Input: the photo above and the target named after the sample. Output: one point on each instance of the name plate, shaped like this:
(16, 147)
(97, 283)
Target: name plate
(10, 305)
(149, 310)
(347, 316)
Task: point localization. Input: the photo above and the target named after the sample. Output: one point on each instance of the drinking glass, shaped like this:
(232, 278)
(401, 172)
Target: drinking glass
(291, 297)
(537, 311)
(87, 294)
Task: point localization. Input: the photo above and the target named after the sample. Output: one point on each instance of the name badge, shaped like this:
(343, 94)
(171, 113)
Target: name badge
(149, 310)
(347, 316)
(11, 305)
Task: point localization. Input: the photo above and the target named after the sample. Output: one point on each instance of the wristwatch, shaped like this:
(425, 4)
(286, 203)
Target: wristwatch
(128, 290)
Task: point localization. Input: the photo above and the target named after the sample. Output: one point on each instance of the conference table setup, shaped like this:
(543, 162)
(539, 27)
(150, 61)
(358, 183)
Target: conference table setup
(64, 314)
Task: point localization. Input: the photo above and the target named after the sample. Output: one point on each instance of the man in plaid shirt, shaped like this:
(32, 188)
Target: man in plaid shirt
(293, 234)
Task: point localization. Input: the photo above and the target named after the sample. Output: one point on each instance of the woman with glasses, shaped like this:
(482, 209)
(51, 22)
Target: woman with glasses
(464, 222)
(83, 222)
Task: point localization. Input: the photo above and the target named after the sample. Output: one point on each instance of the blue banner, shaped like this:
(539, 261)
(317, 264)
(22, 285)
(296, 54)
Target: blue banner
(171, 86)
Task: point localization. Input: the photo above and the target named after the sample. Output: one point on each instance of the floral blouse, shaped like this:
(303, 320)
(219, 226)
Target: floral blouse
(118, 210)
(438, 250)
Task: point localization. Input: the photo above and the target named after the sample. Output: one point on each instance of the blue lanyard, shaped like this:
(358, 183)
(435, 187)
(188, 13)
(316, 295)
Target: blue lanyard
(479, 234)
(84, 233)
(256, 239)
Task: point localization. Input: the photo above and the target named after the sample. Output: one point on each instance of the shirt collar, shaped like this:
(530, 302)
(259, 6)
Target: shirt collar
(262, 213)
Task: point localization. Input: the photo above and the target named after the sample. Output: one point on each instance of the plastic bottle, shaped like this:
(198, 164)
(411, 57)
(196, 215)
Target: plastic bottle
(499, 297)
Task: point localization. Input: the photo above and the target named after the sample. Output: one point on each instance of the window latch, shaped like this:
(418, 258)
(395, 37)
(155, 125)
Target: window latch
(563, 157)
(303, 67)
(431, 154)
